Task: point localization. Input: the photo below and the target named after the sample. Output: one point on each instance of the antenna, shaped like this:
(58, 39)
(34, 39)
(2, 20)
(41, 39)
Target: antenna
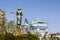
(26, 21)
(38, 19)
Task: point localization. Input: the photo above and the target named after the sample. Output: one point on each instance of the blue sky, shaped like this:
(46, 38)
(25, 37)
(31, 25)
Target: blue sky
(46, 10)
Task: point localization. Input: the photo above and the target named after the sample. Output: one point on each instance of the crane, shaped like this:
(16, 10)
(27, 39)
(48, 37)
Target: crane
(26, 21)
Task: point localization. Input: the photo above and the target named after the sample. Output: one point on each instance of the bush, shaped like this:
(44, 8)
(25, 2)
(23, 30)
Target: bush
(9, 36)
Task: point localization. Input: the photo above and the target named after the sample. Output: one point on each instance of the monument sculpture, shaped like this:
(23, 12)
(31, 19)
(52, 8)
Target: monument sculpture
(19, 17)
(17, 32)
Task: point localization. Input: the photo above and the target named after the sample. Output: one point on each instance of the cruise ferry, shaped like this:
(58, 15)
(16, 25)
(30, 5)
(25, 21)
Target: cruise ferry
(37, 27)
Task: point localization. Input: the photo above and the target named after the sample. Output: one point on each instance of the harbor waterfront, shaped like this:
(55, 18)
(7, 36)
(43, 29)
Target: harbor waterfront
(38, 30)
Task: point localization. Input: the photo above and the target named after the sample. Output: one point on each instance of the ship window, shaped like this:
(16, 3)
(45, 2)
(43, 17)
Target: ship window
(39, 27)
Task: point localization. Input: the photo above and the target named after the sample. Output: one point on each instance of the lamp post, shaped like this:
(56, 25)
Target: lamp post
(12, 15)
(19, 17)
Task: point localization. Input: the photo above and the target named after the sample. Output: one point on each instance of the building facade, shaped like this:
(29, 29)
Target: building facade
(2, 21)
(2, 17)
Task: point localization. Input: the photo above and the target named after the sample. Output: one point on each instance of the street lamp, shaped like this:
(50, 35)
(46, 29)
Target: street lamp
(12, 13)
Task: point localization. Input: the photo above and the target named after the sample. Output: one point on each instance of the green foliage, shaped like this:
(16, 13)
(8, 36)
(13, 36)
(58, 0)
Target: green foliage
(9, 36)
(2, 37)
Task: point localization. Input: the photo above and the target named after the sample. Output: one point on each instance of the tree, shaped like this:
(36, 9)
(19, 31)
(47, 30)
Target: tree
(10, 24)
(10, 27)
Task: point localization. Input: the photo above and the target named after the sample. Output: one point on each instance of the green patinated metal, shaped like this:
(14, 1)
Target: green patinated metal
(19, 17)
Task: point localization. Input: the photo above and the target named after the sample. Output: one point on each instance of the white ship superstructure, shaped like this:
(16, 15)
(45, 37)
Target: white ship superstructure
(39, 28)
(36, 27)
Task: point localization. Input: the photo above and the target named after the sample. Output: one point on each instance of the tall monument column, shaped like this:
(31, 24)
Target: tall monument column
(17, 32)
(19, 17)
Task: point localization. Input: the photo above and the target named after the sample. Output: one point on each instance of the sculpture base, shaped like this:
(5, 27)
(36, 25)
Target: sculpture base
(17, 32)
